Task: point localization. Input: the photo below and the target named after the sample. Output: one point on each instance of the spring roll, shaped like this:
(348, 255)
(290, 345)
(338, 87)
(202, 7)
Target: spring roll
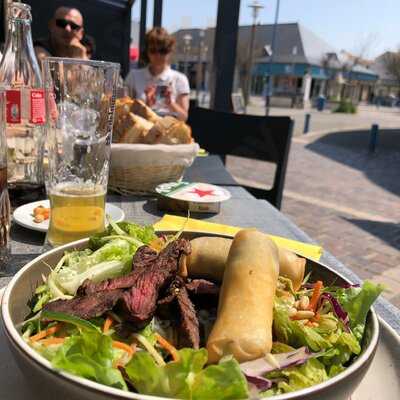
(208, 257)
(292, 267)
(243, 326)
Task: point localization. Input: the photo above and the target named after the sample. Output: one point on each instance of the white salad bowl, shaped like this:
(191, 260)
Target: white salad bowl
(45, 379)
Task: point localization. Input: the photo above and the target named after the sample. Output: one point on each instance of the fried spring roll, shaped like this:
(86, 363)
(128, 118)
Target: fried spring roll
(291, 266)
(243, 326)
(208, 257)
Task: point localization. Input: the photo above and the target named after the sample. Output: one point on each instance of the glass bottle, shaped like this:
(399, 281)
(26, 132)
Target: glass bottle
(20, 77)
(4, 200)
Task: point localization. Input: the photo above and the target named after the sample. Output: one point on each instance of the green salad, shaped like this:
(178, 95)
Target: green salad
(119, 314)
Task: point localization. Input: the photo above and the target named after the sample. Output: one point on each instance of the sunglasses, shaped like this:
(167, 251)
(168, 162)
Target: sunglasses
(162, 51)
(63, 23)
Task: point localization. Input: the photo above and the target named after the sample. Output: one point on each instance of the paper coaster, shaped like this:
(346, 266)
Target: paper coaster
(196, 197)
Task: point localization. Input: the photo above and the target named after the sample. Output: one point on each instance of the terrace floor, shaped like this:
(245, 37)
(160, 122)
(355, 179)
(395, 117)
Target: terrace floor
(344, 197)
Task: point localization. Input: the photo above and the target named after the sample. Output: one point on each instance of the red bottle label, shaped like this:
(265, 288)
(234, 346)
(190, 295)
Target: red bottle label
(13, 98)
(38, 110)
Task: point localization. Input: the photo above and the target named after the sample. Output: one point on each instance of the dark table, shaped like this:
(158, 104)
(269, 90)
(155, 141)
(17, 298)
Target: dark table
(209, 169)
(241, 210)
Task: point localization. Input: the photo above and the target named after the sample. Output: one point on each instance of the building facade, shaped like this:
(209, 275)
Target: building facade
(303, 67)
(387, 88)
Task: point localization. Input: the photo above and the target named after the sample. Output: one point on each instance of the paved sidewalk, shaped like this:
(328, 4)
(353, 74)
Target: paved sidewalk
(345, 198)
(327, 121)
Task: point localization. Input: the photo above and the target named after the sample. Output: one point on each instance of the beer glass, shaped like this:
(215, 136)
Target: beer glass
(80, 99)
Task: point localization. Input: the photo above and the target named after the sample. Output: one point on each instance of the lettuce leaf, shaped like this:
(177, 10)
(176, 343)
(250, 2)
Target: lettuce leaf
(40, 298)
(89, 355)
(296, 378)
(338, 346)
(143, 234)
(112, 260)
(149, 333)
(344, 346)
(294, 333)
(222, 381)
(357, 302)
(187, 379)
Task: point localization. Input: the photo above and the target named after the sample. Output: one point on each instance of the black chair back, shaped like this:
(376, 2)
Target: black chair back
(193, 103)
(250, 136)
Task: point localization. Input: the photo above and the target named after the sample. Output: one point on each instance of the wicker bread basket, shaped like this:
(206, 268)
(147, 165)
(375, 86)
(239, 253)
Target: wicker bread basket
(139, 168)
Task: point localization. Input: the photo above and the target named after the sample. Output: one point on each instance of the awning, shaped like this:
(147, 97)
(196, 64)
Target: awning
(298, 70)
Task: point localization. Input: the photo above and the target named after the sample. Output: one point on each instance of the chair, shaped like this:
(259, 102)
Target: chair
(255, 137)
(193, 103)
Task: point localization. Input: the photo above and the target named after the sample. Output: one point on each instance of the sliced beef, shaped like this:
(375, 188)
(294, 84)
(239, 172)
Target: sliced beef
(141, 300)
(202, 286)
(138, 291)
(87, 307)
(141, 260)
(188, 329)
(144, 256)
(184, 313)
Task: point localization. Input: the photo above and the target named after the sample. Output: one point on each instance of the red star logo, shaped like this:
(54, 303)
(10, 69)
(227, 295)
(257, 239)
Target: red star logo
(202, 193)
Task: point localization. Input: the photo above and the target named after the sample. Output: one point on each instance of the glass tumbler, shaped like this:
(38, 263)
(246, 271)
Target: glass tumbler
(80, 99)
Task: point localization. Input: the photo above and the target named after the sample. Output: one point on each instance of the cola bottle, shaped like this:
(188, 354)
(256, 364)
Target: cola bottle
(21, 80)
(4, 200)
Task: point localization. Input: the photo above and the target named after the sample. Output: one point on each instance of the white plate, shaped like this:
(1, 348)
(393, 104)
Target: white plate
(382, 381)
(24, 215)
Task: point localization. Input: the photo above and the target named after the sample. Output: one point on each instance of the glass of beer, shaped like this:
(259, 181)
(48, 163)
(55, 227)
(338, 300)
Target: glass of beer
(80, 99)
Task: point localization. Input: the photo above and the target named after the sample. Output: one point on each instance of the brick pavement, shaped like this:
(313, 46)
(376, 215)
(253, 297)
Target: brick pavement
(345, 198)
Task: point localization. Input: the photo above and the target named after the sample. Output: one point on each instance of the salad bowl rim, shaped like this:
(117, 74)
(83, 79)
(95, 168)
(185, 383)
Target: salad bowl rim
(17, 341)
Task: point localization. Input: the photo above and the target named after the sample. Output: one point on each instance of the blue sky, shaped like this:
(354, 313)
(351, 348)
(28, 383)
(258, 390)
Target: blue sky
(345, 24)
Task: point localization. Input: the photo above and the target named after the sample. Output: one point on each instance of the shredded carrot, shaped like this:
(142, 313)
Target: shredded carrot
(167, 346)
(315, 296)
(316, 317)
(309, 323)
(119, 362)
(107, 324)
(123, 346)
(44, 333)
(54, 340)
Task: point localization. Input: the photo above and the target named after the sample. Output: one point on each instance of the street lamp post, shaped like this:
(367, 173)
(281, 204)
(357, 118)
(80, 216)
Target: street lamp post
(199, 64)
(187, 39)
(256, 7)
(271, 60)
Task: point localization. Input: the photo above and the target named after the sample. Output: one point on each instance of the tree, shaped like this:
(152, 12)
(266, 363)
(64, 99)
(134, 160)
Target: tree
(391, 62)
(358, 57)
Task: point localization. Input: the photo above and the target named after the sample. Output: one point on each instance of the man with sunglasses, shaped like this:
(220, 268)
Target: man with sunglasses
(65, 36)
